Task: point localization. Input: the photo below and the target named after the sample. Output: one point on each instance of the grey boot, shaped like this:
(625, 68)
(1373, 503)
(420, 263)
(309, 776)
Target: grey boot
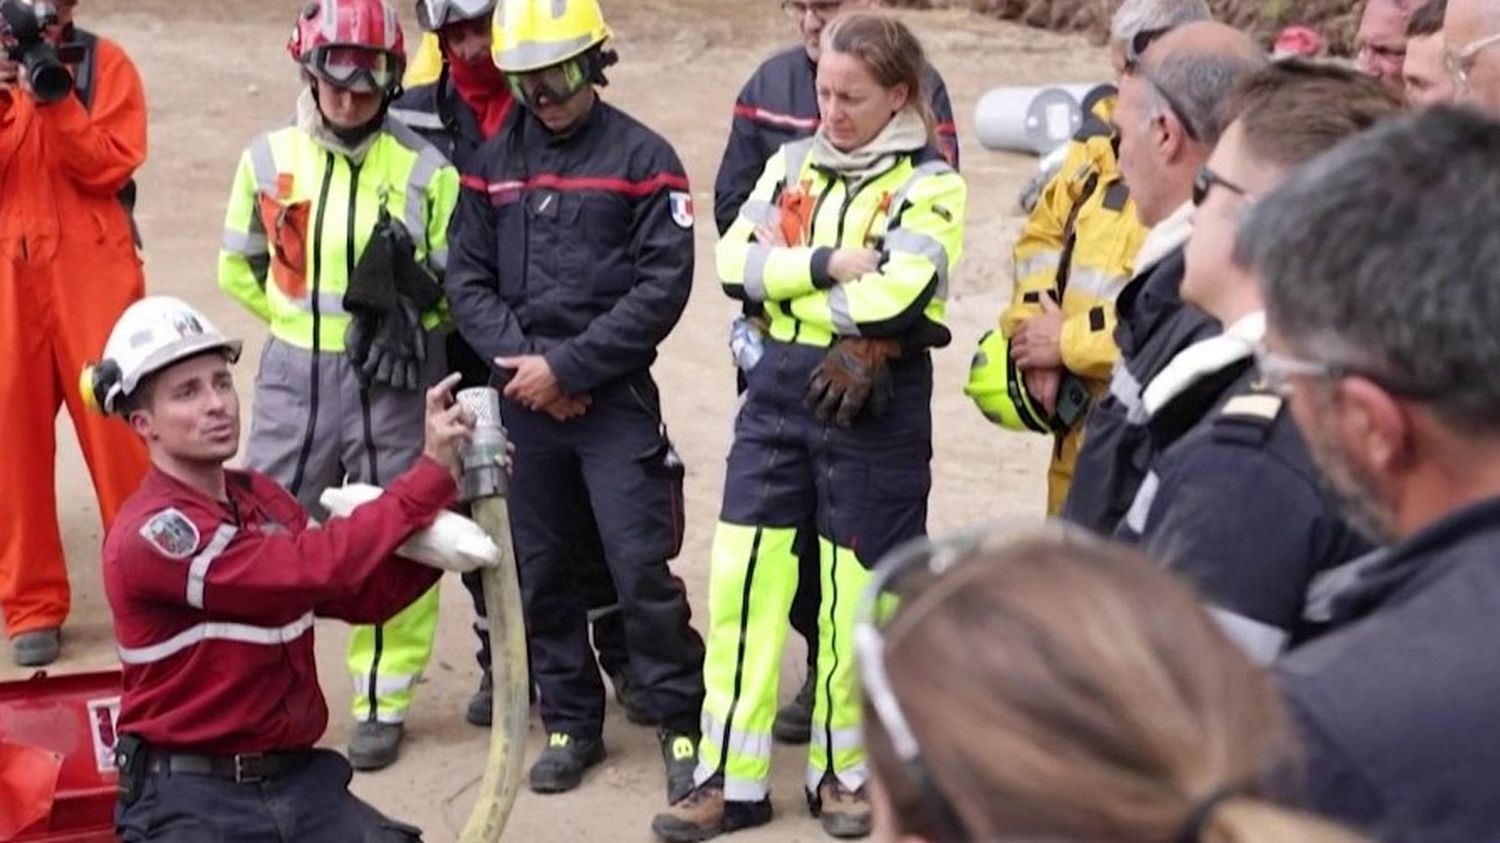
(37, 648)
(375, 745)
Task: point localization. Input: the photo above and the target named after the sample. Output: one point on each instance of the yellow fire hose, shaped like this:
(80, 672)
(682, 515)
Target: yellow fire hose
(486, 487)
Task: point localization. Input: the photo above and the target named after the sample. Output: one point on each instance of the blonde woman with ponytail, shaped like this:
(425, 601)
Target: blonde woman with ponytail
(1054, 688)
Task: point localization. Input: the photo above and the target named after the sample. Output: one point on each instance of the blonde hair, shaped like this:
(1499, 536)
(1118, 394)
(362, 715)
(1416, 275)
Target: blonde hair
(890, 51)
(1071, 690)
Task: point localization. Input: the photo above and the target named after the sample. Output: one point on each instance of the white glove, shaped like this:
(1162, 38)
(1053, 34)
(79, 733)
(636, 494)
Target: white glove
(452, 543)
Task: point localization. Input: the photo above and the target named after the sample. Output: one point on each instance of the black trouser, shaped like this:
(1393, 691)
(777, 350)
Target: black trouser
(619, 454)
(310, 803)
(587, 552)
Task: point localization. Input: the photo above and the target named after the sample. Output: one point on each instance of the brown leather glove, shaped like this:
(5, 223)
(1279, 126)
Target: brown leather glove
(853, 378)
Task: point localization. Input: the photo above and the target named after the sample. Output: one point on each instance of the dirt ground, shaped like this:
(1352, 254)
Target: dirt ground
(216, 74)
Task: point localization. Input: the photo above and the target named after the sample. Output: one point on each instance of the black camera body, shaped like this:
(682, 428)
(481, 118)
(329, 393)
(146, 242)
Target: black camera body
(23, 33)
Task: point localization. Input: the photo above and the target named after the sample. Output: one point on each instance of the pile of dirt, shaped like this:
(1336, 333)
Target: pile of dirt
(1335, 20)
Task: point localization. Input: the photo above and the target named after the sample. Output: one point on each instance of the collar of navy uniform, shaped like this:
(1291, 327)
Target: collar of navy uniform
(1204, 358)
(1359, 586)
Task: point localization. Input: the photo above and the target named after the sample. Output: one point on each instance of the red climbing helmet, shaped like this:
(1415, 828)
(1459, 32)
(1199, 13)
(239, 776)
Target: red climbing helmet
(350, 44)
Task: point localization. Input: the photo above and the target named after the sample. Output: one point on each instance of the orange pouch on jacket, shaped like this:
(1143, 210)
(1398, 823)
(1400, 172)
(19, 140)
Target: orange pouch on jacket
(286, 229)
(796, 207)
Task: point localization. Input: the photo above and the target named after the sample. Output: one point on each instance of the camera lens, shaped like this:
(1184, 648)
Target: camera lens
(50, 80)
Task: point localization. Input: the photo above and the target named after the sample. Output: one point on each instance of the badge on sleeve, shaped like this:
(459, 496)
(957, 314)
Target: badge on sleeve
(682, 208)
(171, 533)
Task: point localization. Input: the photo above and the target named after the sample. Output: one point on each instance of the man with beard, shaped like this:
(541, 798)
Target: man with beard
(1379, 266)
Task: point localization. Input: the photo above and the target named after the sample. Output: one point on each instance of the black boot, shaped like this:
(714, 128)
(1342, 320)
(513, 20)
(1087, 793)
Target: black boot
(562, 764)
(481, 705)
(793, 722)
(679, 752)
(631, 697)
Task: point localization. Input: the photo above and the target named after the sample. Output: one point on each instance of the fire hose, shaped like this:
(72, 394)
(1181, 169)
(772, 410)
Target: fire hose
(486, 489)
(455, 543)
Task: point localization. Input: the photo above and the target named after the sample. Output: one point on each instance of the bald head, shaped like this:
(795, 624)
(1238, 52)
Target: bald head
(1195, 66)
(1467, 23)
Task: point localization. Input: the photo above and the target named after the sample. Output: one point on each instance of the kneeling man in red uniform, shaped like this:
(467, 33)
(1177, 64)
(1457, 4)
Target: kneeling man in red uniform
(214, 577)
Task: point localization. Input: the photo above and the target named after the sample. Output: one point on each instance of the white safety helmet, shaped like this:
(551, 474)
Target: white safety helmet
(433, 15)
(150, 335)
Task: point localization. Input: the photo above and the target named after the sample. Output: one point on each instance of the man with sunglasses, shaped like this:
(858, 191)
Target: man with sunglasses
(572, 261)
(1234, 504)
(1167, 123)
(1472, 52)
(1076, 253)
(336, 235)
(1378, 265)
(777, 105)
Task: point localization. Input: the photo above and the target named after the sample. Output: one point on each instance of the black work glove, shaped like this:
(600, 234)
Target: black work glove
(394, 346)
(854, 378)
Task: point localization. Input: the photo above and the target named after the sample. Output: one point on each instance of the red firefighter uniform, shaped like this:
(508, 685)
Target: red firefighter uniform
(214, 602)
(68, 269)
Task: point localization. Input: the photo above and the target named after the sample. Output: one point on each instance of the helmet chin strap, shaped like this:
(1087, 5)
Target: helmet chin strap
(354, 135)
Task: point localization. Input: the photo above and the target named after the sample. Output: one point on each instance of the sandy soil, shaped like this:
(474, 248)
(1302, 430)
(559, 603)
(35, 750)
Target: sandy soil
(216, 74)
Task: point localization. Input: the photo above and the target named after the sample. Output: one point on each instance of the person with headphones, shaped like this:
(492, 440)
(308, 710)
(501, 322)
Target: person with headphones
(572, 261)
(337, 236)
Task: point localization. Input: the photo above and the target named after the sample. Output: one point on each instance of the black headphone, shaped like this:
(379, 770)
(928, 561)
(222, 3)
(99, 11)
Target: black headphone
(100, 382)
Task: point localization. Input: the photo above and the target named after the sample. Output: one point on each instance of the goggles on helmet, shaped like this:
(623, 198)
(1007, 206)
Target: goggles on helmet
(433, 15)
(551, 85)
(356, 68)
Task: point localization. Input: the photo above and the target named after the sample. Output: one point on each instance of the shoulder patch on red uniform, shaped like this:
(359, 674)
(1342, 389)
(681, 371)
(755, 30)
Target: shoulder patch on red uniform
(682, 208)
(173, 534)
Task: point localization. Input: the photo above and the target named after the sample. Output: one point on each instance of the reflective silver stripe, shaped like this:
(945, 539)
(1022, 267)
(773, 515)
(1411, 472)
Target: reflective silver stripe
(852, 779)
(746, 744)
(1140, 508)
(329, 304)
(754, 281)
(745, 790)
(921, 171)
(418, 119)
(1100, 285)
(838, 306)
(438, 260)
(1041, 262)
(391, 26)
(758, 212)
(1127, 390)
(429, 161)
(917, 243)
(796, 154)
(263, 164)
(216, 631)
(384, 685)
(242, 243)
(1262, 642)
(537, 54)
(198, 571)
(843, 739)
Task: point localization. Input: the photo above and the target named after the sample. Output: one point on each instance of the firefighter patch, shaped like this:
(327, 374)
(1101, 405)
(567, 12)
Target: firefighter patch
(171, 533)
(682, 208)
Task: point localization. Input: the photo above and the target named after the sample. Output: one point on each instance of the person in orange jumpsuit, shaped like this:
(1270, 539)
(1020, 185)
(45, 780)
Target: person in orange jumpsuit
(68, 268)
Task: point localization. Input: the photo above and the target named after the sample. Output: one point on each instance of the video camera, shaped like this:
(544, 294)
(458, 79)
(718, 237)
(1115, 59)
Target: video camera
(23, 35)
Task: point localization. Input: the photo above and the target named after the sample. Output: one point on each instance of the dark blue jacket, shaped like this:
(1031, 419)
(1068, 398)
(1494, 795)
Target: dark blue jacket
(1236, 507)
(1154, 325)
(579, 248)
(1399, 705)
(780, 104)
(443, 119)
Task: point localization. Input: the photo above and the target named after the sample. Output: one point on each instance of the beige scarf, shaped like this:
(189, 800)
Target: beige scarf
(311, 121)
(903, 134)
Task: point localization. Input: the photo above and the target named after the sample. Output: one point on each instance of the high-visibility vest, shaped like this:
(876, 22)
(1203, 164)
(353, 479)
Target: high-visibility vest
(299, 217)
(912, 214)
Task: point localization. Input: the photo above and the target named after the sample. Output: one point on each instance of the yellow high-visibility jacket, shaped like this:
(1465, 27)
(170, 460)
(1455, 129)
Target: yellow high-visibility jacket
(1079, 246)
(300, 215)
(913, 214)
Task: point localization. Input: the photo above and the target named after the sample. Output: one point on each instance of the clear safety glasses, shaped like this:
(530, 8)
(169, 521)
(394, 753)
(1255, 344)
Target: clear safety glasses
(356, 68)
(433, 15)
(1460, 62)
(908, 584)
